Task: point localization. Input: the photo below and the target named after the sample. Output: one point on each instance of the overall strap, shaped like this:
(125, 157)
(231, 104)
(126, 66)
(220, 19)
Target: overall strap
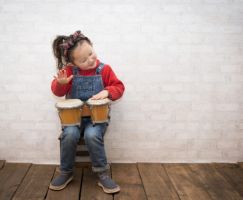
(99, 68)
(75, 71)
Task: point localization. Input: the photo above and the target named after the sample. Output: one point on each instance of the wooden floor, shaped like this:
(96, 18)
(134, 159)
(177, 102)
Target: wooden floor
(138, 181)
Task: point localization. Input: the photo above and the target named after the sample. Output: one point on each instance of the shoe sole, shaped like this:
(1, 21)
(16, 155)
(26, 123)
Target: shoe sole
(52, 187)
(109, 191)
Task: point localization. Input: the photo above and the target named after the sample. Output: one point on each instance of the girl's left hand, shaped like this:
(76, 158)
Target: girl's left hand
(101, 95)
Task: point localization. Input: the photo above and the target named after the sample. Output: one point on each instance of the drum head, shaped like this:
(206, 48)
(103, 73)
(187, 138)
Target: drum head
(92, 102)
(69, 103)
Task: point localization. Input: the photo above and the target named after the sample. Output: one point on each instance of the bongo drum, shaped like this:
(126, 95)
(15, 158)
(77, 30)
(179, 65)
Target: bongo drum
(99, 110)
(69, 111)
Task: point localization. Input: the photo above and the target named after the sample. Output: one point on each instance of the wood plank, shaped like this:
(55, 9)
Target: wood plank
(186, 184)
(82, 164)
(82, 153)
(2, 163)
(36, 182)
(11, 177)
(216, 185)
(233, 173)
(156, 182)
(90, 189)
(82, 149)
(83, 159)
(71, 191)
(127, 176)
(240, 164)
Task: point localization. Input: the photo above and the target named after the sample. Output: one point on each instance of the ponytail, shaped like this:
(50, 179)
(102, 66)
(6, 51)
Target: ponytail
(58, 51)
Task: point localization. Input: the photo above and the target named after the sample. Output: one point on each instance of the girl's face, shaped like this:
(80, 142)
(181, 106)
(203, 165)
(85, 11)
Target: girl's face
(84, 56)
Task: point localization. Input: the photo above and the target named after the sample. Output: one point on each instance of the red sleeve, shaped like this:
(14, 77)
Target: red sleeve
(61, 90)
(111, 83)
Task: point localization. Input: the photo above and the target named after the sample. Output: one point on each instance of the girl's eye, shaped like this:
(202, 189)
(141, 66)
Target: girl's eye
(83, 61)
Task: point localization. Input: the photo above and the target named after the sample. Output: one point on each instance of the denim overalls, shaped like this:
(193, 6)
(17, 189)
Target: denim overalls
(84, 87)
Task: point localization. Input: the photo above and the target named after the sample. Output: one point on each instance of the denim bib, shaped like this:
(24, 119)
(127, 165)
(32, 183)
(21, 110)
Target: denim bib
(84, 87)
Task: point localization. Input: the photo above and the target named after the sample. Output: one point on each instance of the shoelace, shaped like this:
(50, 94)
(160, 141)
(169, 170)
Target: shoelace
(103, 176)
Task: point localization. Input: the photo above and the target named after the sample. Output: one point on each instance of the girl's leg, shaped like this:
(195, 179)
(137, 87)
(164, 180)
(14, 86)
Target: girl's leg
(68, 143)
(93, 136)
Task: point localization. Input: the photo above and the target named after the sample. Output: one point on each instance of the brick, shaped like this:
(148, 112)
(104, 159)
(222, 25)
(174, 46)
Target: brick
(15, 126)
(214, 78)
(235, 134)
(179, 144)
(208, 144)
(231, 68)
(13, 7)
(232, 155)
(227, 144)
(139, 145)
(227, 107)
(209, 155)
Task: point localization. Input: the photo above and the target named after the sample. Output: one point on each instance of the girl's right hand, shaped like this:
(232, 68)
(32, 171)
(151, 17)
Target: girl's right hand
(62, 77)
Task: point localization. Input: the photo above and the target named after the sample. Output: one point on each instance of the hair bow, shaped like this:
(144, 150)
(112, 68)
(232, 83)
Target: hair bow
(70, 41)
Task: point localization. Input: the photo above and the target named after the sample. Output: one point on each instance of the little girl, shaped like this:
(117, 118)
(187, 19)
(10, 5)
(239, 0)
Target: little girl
(82, 76)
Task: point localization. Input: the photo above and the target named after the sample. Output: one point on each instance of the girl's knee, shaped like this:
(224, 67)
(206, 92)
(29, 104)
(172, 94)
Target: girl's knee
(71, 133)
(91, 137)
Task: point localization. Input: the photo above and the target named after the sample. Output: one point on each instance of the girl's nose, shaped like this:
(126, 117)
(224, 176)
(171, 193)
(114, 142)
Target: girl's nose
(91, 60)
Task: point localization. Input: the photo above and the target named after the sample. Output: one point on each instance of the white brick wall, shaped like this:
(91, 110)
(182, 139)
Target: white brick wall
(181, 62)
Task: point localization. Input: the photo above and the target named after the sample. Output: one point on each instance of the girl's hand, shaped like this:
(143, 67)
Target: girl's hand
(62, 77)
(101, 95)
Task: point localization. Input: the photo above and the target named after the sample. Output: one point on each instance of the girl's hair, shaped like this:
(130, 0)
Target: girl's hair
(64, 45)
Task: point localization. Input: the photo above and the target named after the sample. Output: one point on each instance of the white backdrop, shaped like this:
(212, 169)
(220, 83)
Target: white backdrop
(180, 60)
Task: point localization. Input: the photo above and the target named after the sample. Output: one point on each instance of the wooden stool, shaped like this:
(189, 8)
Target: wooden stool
(82, 155)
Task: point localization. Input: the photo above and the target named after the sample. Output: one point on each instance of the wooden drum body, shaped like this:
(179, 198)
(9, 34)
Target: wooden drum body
(99, 110)
(69, 111)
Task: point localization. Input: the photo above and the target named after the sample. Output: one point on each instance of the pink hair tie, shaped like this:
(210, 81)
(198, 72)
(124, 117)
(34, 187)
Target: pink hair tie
(70, 41)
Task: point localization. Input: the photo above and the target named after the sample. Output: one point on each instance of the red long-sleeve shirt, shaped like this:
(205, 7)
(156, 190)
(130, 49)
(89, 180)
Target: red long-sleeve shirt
(111, 83)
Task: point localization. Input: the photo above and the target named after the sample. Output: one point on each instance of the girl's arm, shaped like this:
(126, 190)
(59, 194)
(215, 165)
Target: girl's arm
(111, 83)
(61, 83)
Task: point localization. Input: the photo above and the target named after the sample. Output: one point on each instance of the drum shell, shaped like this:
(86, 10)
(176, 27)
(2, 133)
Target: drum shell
(69, 111)
(70, 116)
(99, 113)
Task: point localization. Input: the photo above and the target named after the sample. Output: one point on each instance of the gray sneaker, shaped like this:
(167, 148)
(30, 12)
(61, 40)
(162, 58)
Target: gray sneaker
(107, 184)
(61, 181)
